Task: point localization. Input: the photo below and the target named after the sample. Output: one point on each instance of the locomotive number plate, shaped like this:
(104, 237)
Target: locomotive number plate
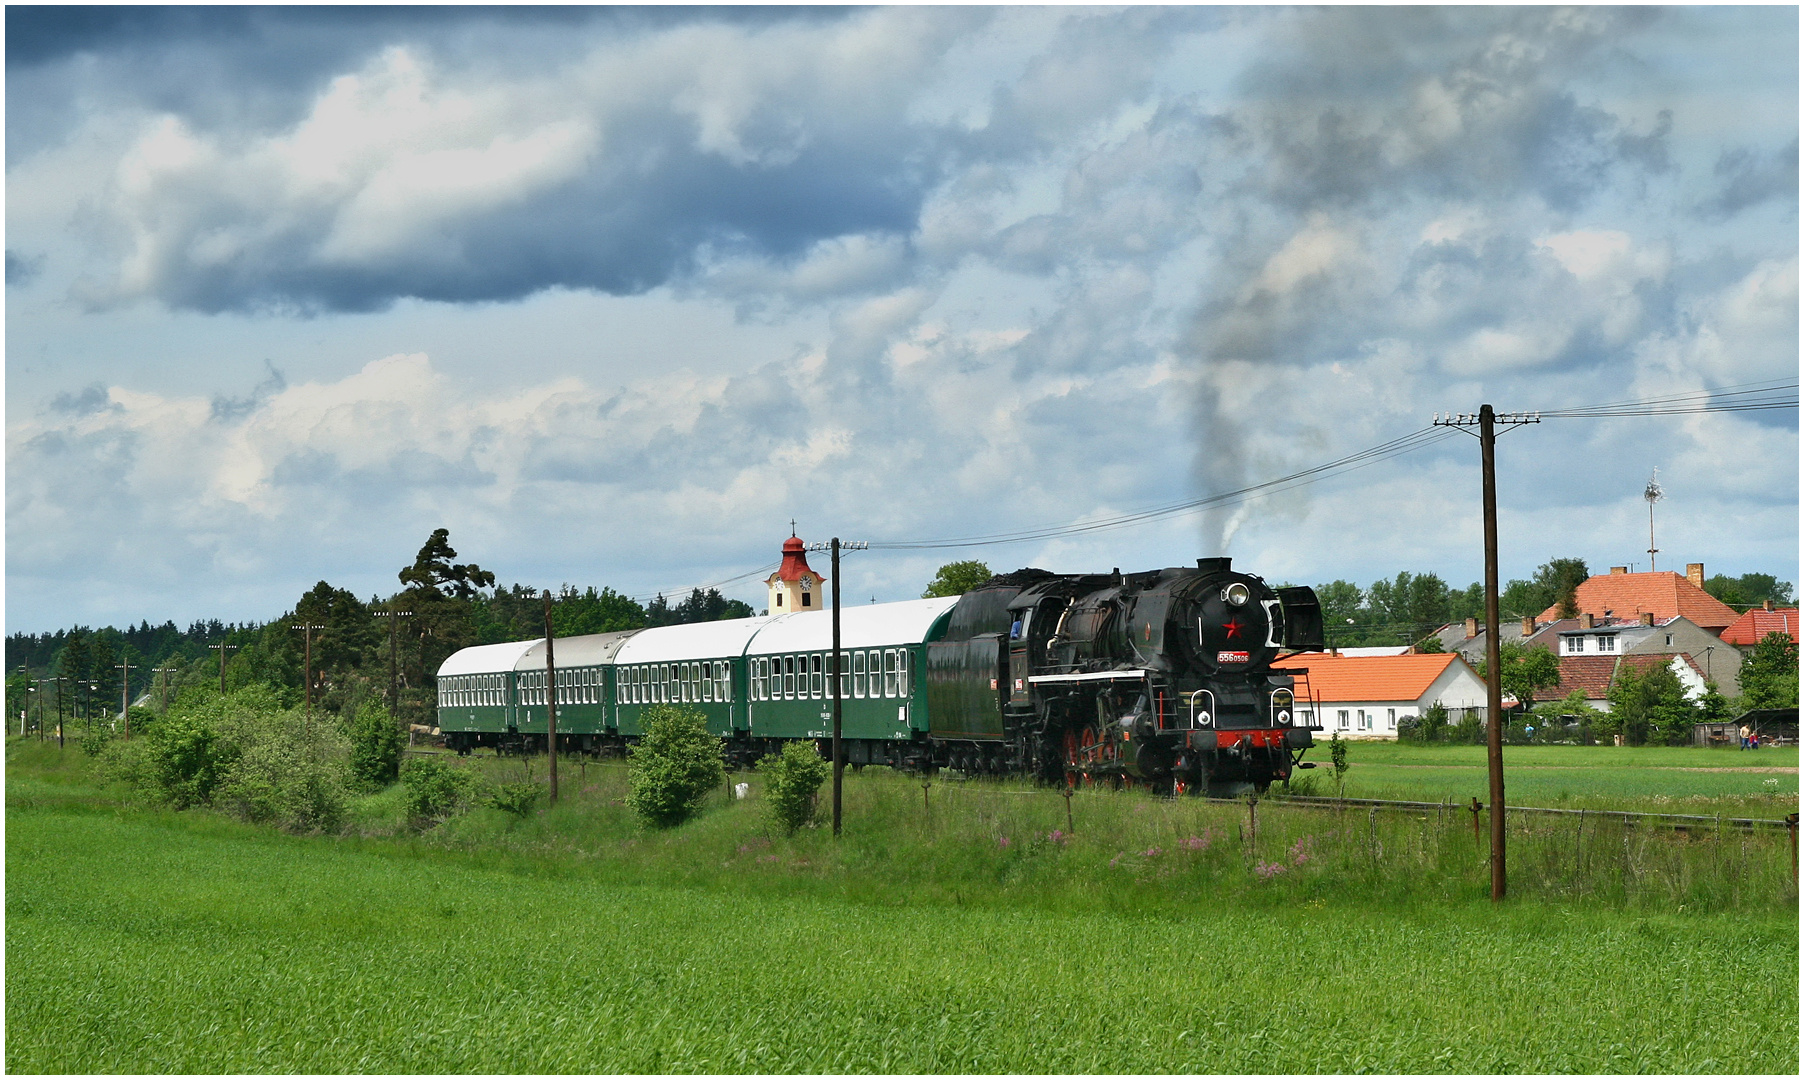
(1228, 656)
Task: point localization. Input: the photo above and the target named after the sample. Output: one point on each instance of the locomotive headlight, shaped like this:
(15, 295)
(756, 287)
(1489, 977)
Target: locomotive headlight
(1203, 719)
(1283, 717)
(1237, 594)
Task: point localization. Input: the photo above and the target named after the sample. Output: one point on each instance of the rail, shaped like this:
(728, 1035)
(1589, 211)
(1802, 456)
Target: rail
(1627, 817)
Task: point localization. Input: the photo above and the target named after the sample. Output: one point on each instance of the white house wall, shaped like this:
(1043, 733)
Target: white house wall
(1458, 687)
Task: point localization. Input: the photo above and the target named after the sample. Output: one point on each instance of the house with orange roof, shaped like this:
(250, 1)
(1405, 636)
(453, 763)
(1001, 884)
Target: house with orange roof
(1364, 697)
(1745, 633)
(1592, 675)
(1662, 594)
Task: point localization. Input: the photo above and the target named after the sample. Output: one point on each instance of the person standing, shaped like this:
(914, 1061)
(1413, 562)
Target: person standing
(1744, 736)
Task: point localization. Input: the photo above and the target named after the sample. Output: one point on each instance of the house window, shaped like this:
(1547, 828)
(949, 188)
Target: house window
(1308, 717)
(1669, 639)
(807, 600)
(1606, 643)
(1575, 645)
(1391, 718)
(1365, 720)
(1343, 719)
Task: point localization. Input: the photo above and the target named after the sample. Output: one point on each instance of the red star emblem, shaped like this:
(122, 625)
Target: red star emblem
(1234, 627)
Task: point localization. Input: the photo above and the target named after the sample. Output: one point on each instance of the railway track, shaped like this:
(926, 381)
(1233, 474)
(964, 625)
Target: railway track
(1627, 817)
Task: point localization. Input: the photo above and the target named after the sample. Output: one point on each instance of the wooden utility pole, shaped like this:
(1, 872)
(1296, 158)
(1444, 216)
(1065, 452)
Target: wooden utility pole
(222, 647)
(125, 698)
(394, 685)
(550, 700)
(839, 749)
(164, 671)
(306, 630)
(1487, 421)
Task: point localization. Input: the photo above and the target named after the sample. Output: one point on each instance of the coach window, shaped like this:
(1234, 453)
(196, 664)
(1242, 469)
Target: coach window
(902, 683)
(708, 681)
(889, 673)
(858, 674)
(845, 676)
(789, 676)
(814, 675)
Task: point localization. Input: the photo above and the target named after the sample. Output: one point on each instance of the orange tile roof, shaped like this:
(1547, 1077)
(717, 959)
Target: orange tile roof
(1370, 678)
(1756, 624)
(1664, 593)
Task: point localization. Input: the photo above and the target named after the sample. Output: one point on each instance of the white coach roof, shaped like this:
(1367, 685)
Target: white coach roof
(486, 659)
(691, 641)
(582, 650)
(860, 626)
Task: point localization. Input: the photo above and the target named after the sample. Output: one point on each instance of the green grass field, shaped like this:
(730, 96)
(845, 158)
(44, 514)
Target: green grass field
(1672, 780)
(1156, 938)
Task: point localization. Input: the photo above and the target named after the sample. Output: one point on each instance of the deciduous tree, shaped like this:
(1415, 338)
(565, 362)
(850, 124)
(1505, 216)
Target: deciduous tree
(958, 578)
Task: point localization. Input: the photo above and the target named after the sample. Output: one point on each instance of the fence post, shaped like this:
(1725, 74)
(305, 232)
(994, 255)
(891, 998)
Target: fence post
(1253, 821)
(1069, 827)
(1791, 826)
(1477, 837)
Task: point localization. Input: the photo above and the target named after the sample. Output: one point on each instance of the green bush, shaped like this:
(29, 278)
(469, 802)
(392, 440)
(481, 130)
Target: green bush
(517, 799)
(94, 743)
(792, 780)
(1432, 726)
(376, 744)
(674, 766)
(436, 791)
(185, 760)
(285, 772)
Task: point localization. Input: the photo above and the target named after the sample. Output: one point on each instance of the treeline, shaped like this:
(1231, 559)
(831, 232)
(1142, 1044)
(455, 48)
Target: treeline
(331, 647)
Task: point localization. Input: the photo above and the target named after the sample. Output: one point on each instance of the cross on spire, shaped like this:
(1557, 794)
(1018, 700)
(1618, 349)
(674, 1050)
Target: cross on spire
(792, 526)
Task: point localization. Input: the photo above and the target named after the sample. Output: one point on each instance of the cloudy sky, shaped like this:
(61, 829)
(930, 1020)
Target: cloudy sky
(614, 295)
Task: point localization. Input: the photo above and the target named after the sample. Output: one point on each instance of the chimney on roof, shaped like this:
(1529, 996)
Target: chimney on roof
(1586, 622)
(1619, 569)
(1647, 618)
(1768, 606)
(1471, 628)
(1528, 626)
(1694, 573)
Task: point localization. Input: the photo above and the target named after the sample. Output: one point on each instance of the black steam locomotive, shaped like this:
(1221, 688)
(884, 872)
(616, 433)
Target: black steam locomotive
(1162, 677)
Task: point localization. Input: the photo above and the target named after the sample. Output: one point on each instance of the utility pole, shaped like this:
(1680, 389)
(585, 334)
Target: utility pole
(839, 749)
(164, 671)
(1653, 494)
(222, 647)
(59, 680)
(1486, 422)
(125, 698)
(306, 630)
(394, 686)
(550, 701)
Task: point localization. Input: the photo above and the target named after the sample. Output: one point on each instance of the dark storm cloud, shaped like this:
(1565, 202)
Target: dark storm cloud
(21, 269)
(652, 197)
(230, 410)
(1748, 178)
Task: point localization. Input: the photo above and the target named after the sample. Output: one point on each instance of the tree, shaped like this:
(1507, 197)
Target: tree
(674, 766)
(1410, 605)
(1650, 707)
(1748, 590)
(793, 779)
(1769, 676)
(1343, 608)
(958, 578)
(1560, 579)
(1524, 671)
(440, 594)
(433, 572)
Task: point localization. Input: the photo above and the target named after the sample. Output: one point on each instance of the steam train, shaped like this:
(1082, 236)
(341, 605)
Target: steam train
(1162, 678)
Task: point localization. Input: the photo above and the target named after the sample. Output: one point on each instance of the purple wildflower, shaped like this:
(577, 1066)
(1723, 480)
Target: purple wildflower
(1002, 842)
(1267, 871)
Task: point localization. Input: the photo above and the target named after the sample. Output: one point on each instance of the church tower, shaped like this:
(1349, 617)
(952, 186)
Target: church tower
(795, 586)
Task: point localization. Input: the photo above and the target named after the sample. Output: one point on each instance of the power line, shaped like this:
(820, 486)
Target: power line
(1738, 397)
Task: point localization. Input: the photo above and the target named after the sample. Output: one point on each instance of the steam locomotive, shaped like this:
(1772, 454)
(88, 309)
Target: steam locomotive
(1162, 678)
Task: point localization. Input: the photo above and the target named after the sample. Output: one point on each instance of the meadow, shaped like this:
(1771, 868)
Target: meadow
(961, 927)
(1649, 779)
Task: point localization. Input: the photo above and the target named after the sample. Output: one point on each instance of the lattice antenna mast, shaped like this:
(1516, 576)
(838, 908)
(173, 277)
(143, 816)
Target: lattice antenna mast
(1653, 494)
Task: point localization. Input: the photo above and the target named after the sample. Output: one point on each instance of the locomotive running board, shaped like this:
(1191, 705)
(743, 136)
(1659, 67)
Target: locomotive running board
(1090, 676)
